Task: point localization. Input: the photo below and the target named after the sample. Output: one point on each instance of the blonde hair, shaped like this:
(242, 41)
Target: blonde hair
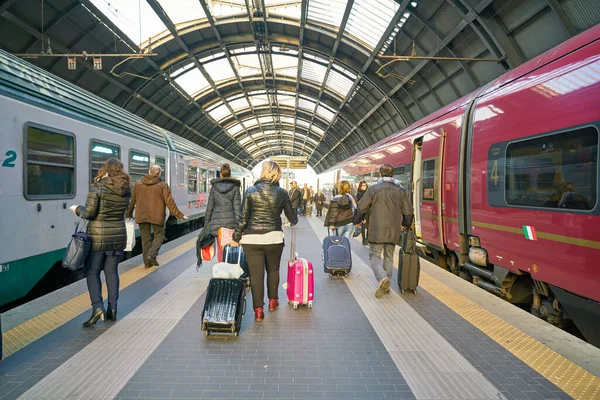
(344, 187)
(271, 171)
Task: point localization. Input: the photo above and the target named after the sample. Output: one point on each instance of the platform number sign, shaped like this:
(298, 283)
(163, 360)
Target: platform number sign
(9, 161)
(71, 63)
(97, 63)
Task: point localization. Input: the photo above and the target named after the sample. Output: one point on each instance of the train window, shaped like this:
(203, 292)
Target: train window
(552, 171)
(402, 174)
(50, 163)
(428, 180)
(192, 179)
(181, 174)
(203, 180)
(100, 152)
(160, 161)
(139, 164)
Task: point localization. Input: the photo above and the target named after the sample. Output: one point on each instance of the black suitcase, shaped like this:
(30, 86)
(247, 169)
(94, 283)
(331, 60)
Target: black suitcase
(232, 258)
(224, 306)
(409, 268)
(337, 257)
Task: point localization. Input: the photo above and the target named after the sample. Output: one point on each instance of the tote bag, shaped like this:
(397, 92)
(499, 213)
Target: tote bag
(130, 227)
(225, 237)
(78, 248)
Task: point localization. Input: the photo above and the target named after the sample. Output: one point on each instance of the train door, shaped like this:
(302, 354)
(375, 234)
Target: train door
(416, 184)
(428, 190)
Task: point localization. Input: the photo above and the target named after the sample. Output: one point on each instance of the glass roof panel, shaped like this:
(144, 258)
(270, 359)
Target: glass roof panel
(219, 70)
(284, 8)
(226, 8)
(369, 19)
(250, 123)
(338, 83)
(286, 100)
(325, 113)
(285, 65)
(286, 120)
(302, 122)
(247, 64)
(126, 16)
(192, 82)
(244, 49)
(245, 140)
(258, 101)
(266, 120)
(239, 104)
(219, 112)
(182, 10)
(329, 12)
(235, 129)
(313, 72)
(182, 70)
(306, 105)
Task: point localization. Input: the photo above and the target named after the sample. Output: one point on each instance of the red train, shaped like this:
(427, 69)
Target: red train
(505, 183)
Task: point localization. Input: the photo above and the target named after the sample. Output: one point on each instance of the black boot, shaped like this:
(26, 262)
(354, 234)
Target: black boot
(97, 314)
(111, 314)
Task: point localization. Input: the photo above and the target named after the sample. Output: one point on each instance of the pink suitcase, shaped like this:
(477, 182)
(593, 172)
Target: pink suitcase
(300, 278)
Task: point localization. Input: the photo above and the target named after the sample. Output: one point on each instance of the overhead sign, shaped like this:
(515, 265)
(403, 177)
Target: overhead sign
(296, 162)
(71, 63)
(97, 62)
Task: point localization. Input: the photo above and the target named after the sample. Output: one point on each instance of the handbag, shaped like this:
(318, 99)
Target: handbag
(357, 230)
(78, 248)
(130, 227)
(225, 237)
(205, 245)
(228, 271)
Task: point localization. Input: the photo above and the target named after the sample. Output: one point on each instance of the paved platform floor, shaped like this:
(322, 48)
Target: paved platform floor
(445, 342)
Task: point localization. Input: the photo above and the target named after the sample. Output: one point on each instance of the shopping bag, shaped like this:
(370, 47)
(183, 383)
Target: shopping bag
(130, 227)
(224, 237)
(78, 248)
(208, 252)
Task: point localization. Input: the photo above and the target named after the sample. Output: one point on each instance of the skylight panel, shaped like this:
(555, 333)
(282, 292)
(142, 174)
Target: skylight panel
(219, 112)
(286, 100)
(245, 140)
(302, 122)
(287, 120)
(306, 105)
(265, 120)
(182, 70)
(247, 65)
(313, 72)
(369, 19)
(222, 9)
(251, 123)
(212, 56)
(219, 70)
(244, 49)
(318, 131)
(329, 12)
(259, 101)
(235, 129)
(126, 16)
(285, 65)
(338, 83)
(182, 10)
(239, 104)
(193, 82)
(283, 8)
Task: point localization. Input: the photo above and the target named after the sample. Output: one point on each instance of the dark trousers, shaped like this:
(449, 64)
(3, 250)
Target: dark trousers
(107, 261)
(150, 247)
(263, 257)
(319, 212)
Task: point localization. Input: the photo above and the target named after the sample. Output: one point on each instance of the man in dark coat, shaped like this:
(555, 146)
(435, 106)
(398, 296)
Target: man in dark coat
(389, 208)
(295, 196)
(151, 196)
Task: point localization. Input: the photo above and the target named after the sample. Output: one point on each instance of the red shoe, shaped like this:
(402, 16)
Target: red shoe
(259, 314)
(273, 304)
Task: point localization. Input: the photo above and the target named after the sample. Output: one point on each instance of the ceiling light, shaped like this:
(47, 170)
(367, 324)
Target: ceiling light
(402, 20)
(406, 15)
(413, 3)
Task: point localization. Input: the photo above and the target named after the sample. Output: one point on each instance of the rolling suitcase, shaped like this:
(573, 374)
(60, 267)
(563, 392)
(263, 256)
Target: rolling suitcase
(337, 257)
(308, 210)
(224, 306)
(300, 278)
(409, 268)
(232, 257)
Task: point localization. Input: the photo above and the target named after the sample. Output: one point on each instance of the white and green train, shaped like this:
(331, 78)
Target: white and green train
(55, 136)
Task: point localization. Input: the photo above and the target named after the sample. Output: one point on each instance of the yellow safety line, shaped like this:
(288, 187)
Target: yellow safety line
(26, 333)
(569, 377)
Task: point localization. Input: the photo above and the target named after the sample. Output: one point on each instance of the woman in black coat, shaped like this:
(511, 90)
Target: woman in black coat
(319, 201)
(224, 202)
(105, 208)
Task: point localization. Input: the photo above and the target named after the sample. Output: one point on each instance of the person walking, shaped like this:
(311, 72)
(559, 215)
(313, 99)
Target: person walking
(150, 197)
(260, 233)
(319, 201)
(295, 196)
(362, 189)
(306, 196)
(389, 209)
(224, 202)
(105, 207)
(341, 211)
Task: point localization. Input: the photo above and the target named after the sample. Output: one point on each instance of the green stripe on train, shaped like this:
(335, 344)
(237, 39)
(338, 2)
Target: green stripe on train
(18, 277)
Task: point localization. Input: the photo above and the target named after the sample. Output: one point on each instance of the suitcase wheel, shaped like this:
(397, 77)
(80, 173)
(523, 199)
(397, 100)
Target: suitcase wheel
(295, 306)
(415, 291)
(236, 334)
(310, 304)
(206, 333)
(402, 291)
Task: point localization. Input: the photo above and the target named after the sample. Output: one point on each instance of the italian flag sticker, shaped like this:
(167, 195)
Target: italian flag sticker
(529, 232)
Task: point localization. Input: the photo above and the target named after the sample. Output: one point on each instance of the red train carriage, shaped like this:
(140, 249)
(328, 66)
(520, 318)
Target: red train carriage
(505, 183)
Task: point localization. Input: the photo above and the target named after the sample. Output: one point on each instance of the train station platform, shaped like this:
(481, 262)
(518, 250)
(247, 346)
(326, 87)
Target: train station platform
(450, 340)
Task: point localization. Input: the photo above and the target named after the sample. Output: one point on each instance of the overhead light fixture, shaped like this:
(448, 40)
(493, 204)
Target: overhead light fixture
(402, 20)
(406, 15)
(413, 3)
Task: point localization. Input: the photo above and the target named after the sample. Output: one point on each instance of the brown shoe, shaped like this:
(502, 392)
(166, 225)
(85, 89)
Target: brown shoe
(384, 285)
(153, 262)
(273, 304)
(259, 314)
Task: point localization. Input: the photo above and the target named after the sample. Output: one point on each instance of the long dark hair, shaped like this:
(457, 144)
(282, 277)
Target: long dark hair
(116, 174)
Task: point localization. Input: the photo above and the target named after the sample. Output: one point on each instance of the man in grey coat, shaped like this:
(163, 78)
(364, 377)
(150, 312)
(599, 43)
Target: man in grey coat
(389, 209)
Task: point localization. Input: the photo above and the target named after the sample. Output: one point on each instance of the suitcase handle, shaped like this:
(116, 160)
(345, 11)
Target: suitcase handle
(334, 241)
(239, 261)
(293, 254)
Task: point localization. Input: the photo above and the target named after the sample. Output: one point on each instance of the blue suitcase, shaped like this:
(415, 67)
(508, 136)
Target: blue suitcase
(337, 256)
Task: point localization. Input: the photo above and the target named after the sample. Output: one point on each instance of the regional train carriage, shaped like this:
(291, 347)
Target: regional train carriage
(55, 137)
(504, 183)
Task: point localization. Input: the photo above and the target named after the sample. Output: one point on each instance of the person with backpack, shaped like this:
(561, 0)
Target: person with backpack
(341, 212)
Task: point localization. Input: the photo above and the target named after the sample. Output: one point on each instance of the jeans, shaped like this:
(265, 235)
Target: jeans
(263, 257)
(150, 247)
(109, 262)
(345, 230)
(382, 266)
